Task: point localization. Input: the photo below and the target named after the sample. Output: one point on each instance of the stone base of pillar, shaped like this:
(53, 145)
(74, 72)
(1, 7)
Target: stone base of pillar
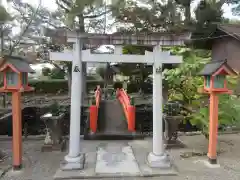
(158, 161)
(212, 161)
(209, 165)
(74, 163)
(17, 167)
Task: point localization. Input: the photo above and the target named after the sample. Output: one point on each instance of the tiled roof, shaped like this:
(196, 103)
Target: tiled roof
(211, 67)
(19, 63)
(230, 29)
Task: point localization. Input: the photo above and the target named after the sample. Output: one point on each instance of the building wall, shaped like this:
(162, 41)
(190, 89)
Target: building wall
(227, 48)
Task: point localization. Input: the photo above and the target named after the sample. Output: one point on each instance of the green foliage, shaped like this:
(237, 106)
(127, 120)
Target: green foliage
(155, 16)
(233, 82)
(58, 85)
(49, 86)
(132, 102)
(208, 14)
(228, 114)
(201, 119)
(131, 69)
(46, 71)
(55, 108)
(133, 87)
(4, 15)
(88, 15)
(57, 73)
(183, 81)
(229, 109)
(101, 71)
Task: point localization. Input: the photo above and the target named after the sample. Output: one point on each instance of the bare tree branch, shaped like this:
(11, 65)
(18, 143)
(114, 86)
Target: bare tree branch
(67, 3)
(26, 28)
(97, 15)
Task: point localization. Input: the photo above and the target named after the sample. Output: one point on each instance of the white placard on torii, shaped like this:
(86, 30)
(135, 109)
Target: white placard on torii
(163, 56)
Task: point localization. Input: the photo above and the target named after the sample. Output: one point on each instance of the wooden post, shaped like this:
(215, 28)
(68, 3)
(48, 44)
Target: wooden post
(17, 130)
(213, 128)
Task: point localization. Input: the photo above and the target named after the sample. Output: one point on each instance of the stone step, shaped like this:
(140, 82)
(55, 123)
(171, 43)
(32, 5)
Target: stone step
(115, 136)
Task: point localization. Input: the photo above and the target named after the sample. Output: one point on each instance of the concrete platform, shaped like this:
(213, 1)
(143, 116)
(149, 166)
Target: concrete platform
(112, 161)
(116, 160)
(91, 174)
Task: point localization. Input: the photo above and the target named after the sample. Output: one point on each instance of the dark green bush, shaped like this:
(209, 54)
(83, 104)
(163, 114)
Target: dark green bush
(46, 71)
(49, 86)
(118, 85)
(57, 85)
(133, 87)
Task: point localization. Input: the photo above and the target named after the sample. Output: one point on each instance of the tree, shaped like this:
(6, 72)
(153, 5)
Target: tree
(87, 16)
(236, 8)
(4, 19)
(129, 69)
(187, 10)
(155, 16)
(11, 44)
(171, 16)
(183, 81)
(24, 15)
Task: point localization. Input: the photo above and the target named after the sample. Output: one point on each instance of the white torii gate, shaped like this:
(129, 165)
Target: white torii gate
(156, 158)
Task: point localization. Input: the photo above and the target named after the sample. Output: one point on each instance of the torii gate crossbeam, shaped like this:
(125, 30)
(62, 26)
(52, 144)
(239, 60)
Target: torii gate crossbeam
(87, 56)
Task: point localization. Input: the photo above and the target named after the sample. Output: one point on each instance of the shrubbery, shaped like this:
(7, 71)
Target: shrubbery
(57, 85)
(61, 85)
(49, 86)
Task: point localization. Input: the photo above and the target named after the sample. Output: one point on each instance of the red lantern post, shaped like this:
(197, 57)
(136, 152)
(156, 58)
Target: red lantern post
(215, 83)
(15, 77)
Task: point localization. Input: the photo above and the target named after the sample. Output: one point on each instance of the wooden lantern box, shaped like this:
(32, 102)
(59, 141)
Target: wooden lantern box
(15, 74)
(215, 74)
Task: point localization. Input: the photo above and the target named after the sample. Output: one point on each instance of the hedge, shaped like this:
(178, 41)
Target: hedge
(58, 85)
(61, 86)
(134, 87)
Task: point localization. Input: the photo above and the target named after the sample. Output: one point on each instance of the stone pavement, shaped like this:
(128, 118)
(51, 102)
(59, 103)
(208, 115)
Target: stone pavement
(43, 166)
(1, 172)
(114, 160)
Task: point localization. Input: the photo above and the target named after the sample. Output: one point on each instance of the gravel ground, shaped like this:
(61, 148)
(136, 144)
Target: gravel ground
(42, 166)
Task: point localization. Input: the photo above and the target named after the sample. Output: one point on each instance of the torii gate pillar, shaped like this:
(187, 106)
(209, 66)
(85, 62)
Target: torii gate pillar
(75, 159)
(158, 158)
